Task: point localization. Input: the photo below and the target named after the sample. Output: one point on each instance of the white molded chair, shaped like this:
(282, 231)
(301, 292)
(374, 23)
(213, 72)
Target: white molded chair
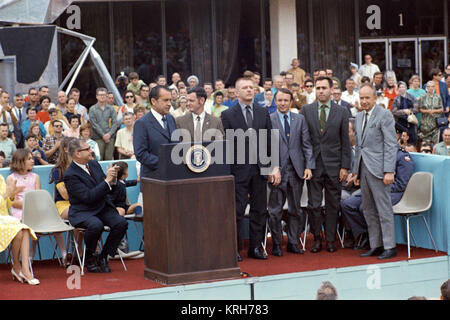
(41, 215)
(416, 200)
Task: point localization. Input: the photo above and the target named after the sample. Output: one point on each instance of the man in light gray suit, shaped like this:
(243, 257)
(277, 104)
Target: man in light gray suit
(296, 164)
(374, 167)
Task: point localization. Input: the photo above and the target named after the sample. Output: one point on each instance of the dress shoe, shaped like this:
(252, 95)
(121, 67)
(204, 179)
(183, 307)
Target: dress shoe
(239, 258)
(103, 264)
(317, 246)
(372, 252)
(256, 254)
(16, 276)
(293, 248)
(276, 250)
(331, 246)
(387, 254)
(32, 282)
(92, 265)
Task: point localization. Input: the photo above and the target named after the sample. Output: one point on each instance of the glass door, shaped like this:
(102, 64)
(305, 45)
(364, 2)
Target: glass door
(377, 48)
(403, 58)
(432, 54)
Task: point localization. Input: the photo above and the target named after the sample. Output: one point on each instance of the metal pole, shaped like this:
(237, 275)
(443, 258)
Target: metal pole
(80, 65)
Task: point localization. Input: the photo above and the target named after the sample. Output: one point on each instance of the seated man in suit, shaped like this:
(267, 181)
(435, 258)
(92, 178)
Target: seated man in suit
(296, 162)
(352, 207)
(198, 121)
(90, 208)
(153, 130)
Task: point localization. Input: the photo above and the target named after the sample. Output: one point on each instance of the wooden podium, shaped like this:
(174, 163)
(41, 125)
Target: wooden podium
(189, 223)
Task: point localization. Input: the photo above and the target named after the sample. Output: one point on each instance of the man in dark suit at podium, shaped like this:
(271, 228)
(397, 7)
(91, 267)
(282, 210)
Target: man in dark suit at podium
(90, 208)
(153, 130)
(243, 116)
(198, 121)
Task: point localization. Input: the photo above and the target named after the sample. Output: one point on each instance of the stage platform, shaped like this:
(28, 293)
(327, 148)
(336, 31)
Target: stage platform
(288, 277)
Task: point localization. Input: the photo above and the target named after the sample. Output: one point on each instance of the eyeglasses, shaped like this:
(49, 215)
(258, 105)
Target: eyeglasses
(85, 149)
(57, 126)
(309, 86)
(129, 97)
(32, 94)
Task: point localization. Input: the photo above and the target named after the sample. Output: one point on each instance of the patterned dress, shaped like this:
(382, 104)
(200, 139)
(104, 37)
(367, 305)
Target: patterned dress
(428, 128)
(9, 226)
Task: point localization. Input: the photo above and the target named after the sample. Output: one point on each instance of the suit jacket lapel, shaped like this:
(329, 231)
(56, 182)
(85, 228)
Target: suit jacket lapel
(240, 117)
(279, 126)
(370, 121)
(157, 126)
(294, 129)
(84, 173)
(315, 111)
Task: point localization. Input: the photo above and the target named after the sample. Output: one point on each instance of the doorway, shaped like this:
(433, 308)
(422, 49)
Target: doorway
(407, 56)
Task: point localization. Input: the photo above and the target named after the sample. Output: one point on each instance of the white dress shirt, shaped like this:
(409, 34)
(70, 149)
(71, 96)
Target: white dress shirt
(158, 117)
(202, 119)
(350, 98)
(368, 70)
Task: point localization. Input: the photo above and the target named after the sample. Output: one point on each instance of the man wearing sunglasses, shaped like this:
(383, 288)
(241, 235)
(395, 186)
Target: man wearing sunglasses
(53, 141)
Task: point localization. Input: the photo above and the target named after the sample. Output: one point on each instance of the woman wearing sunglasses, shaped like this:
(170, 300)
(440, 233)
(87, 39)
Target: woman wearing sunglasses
(130, 103)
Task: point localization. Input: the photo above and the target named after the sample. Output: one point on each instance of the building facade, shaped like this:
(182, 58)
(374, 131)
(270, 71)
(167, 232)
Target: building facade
(220, 39)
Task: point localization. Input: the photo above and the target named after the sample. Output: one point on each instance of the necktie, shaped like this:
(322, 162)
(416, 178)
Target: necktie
(287, 128)
(249, 117)
(365, 123)
(323, 118)
(89, 169)
(164, 120)
(20, 115)
(198, 130)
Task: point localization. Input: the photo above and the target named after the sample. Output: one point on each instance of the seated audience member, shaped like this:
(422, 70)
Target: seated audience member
(90, 206)
(6, 144)
(72, 111)
(52, 142)
(218, 106)
(181, 107)
(74, 128)
(53, 113)
(15, 233)
(2, 159)
(139, 112)
(43, 115)
(31, 115)
(34, 129)
(57, 176)
(130, 104)
(38, 155)
(445, 290)
(22, 176)
(351, 208)
(86, 134)
(404, 138)
(443, 148)
(119, 195)
(427, 147)
(327, 292)
(124, 139)
(410, 148)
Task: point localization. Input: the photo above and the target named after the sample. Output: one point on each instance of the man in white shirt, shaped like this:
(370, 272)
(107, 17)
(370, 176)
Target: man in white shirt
(82, 110)
(351, 96)
(124, 139)
(209, 100)
(368, 69)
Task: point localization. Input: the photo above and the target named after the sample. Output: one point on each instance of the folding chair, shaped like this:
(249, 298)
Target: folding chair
(416, 200)
(41, 215)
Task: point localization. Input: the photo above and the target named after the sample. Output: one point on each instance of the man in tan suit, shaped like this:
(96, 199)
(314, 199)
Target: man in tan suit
(201, 125)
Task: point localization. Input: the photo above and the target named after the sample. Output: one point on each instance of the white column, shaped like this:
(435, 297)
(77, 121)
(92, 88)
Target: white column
(283, 34)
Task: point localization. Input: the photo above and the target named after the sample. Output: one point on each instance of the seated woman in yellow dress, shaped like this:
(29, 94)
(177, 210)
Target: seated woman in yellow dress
(15, 233)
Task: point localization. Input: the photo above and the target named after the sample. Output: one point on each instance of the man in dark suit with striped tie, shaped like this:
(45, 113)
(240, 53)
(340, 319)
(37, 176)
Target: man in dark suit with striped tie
(328, 128)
